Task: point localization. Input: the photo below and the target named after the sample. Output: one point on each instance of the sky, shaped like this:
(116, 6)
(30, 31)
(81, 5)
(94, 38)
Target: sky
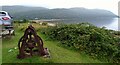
(111, 5)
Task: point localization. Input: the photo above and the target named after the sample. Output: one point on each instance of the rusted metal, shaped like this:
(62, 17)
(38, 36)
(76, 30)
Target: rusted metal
(30, 44)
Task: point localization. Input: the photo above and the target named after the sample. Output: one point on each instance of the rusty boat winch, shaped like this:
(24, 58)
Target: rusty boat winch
(31, 44)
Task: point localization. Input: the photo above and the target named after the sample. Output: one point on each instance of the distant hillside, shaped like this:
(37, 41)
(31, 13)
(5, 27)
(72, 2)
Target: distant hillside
(20, 12)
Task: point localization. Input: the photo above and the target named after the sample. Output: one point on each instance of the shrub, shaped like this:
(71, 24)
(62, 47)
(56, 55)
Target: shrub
(97, 42)
(44, 23)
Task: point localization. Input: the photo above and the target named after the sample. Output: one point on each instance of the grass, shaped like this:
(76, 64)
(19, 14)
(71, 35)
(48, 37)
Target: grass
(0, 50)
(59, 54)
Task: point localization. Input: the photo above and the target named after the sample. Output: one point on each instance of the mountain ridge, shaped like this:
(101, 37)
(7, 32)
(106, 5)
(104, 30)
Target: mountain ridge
(56, 13)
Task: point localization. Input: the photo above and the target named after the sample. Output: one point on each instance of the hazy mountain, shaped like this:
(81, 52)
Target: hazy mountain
(17, 8)
(19, 12)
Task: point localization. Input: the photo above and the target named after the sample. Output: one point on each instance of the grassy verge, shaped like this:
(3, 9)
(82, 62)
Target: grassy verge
(0, 51)
(58, 54)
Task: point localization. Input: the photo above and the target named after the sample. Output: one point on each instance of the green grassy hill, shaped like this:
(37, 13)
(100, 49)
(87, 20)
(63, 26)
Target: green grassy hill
(59, 54)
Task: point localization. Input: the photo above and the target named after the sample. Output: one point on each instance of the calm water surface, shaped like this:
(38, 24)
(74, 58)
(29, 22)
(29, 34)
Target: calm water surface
(109, 23)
